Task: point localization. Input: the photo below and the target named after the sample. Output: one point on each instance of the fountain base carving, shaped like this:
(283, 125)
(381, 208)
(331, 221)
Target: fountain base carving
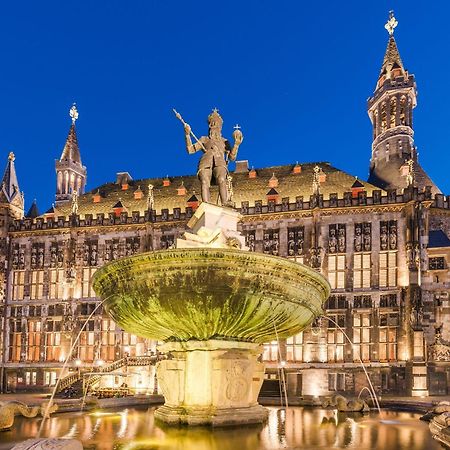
(211, 382)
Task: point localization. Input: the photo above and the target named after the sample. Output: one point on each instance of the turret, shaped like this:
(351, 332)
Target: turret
(391, 113)
(70, 172)
(11, 199)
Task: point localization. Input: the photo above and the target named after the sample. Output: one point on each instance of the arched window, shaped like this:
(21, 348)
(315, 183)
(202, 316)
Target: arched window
(403, 110)
(392, 112)
(383, 117)
(59, 184)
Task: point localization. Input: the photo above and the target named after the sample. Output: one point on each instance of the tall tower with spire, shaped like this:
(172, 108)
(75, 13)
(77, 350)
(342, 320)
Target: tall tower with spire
(391, 113)
(70, 172)
(11, 199)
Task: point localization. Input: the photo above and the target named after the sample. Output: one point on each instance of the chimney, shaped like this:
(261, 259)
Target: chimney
(241, 166)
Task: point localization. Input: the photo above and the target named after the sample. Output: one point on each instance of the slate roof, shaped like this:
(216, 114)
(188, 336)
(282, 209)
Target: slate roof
(245, 189)
(437, 238)
(71, 151)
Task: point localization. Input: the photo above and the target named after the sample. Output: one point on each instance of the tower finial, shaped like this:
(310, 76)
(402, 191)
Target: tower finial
(73, 113)
(11, 156)
(391, 24)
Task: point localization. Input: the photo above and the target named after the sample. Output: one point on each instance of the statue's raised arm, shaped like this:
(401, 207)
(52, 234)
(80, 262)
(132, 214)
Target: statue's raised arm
(238, 138)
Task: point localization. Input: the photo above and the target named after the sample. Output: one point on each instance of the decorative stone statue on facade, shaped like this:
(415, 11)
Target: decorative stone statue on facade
(440, 349)
(332, 241)
(358, 238)
(217, 151)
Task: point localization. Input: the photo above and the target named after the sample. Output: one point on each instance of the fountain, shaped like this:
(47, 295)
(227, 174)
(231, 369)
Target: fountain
(213, 304)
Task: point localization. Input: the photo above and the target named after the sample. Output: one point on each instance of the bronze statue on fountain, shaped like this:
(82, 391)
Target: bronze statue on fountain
(217, 152)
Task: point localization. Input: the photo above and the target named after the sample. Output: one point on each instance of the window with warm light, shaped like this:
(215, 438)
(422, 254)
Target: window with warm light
(56, 283)
(294, 348)
(336, 271)
(86, 282)
(18, 284)
(388, 269)
(361, 270)
(387, 347)
(53, 339)
(270, 352)
(361, 336)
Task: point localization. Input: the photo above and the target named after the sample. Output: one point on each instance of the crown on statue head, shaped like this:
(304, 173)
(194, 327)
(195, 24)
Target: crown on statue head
(215, 119)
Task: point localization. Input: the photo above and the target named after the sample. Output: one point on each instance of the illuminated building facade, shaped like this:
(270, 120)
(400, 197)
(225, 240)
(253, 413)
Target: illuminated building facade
(383, 244)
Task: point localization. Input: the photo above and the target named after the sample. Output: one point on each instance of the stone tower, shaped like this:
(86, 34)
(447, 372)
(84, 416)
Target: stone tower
(391, 113)
(11, 199)
(70, 172)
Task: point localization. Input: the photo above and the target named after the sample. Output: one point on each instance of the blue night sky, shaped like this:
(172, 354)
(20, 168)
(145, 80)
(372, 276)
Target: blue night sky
(295, 75)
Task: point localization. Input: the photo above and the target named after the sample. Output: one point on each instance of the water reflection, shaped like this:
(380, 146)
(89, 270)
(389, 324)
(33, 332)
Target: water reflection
(133, 429)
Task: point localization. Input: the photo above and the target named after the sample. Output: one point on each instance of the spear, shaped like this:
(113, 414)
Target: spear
(178, 116)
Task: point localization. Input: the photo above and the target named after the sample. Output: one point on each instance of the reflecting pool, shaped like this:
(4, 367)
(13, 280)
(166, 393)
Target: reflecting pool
(296, 427)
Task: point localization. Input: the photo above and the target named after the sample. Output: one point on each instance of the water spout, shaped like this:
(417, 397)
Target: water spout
(69, 355)
(377, 404)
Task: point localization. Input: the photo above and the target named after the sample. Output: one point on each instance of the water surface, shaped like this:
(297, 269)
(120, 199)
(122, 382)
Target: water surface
(298, 427)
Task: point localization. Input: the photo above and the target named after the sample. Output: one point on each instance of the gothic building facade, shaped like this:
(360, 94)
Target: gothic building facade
(383, 245)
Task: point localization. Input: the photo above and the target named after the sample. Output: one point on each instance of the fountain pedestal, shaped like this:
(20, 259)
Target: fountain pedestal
(211, 382)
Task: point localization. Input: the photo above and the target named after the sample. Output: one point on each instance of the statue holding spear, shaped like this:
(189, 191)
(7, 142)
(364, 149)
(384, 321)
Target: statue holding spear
(217, 152)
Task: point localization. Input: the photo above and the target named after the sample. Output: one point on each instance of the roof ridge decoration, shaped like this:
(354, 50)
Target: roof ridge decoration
(392, 59)
(71, 151)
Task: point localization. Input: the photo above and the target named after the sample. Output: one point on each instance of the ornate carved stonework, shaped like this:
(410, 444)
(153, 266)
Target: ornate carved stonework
(132, 245)
(336, 238)
(358, 241)
(90, 253)
(296, 240)
(18, 257)
(250, 240)
(271, 242)
(439, 351)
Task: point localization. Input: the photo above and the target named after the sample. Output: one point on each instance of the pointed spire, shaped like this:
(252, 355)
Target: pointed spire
(71, 151)
(33, 212)
(392, 66)
(10, 186)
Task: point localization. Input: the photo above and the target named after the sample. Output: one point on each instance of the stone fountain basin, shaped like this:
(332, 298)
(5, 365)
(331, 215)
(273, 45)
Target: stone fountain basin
(206, 293)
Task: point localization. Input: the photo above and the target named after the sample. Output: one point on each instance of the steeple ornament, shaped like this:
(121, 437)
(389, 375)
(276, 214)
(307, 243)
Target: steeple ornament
(73, 113)
(11, 156)
(391, 24)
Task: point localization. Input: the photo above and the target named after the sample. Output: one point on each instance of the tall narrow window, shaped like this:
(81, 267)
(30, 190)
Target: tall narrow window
(37, 284)
(361, 270)
(33, 340)
(270, 352)
(388, 269)
(336, 271)
(15, 340)
(86, 286)
(387, 347)
(335, 340)
(56, 286)
(87, 342)
(18, 284)
(361, 336)
(107, 348)
(52, 340)
(294, 348)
